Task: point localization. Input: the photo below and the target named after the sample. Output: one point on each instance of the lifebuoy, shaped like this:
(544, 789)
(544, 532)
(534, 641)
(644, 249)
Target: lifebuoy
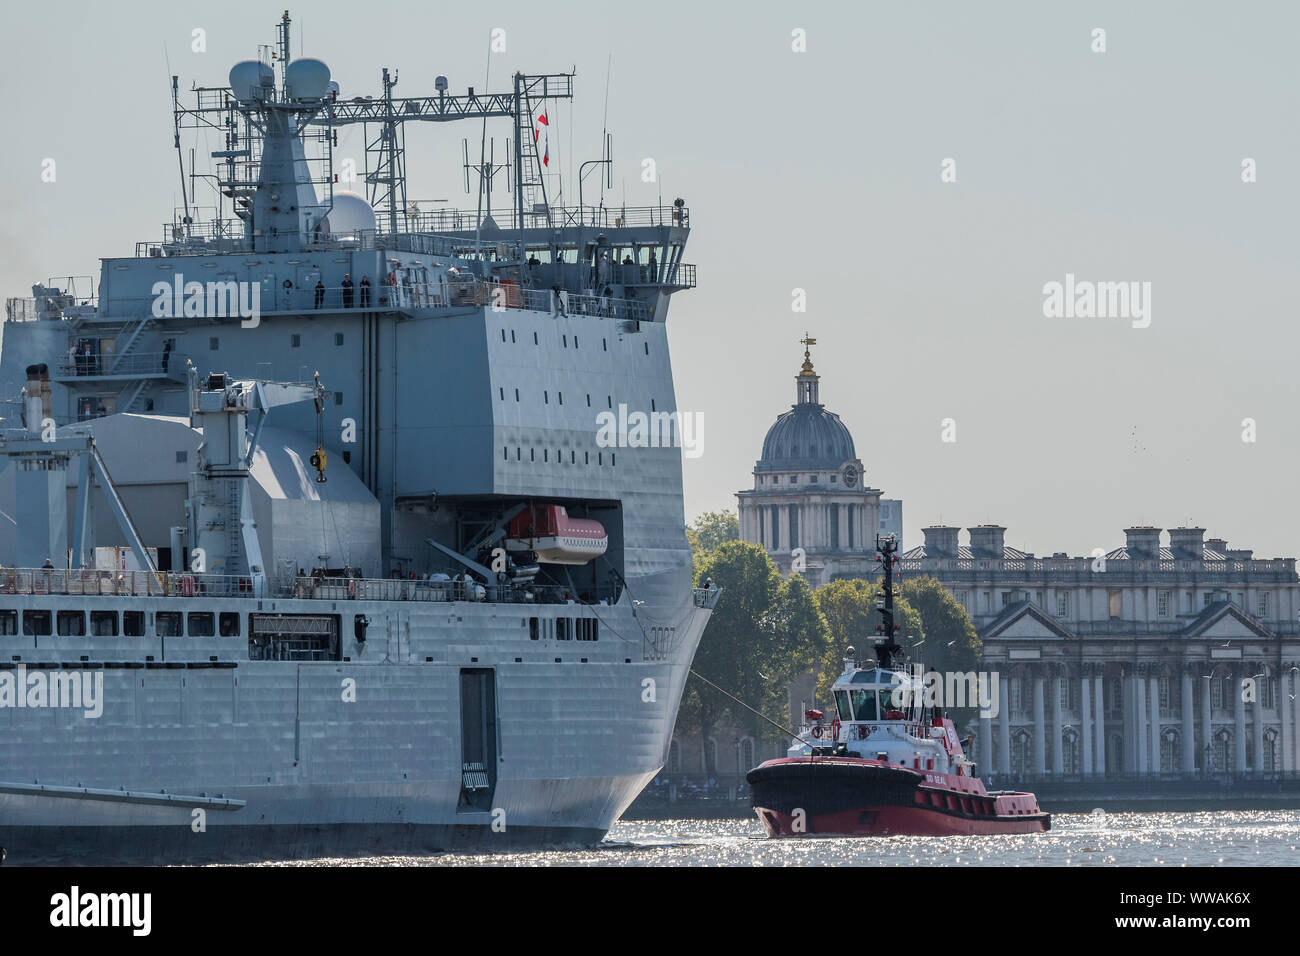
(863, 731)
(352, 588)
(817, 731)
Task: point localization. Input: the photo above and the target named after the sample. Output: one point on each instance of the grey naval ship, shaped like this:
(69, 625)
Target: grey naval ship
(313, 545)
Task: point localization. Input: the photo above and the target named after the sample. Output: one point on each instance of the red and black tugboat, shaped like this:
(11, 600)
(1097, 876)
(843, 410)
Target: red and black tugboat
(886, 764)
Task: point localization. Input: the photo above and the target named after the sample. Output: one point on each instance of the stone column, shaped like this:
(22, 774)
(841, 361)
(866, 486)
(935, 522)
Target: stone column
(1140, 723)
(1188, 761)
(783, 523)
(1040, 731)
(1239, 724)
(1099, 724)
(1085, 721)
(1207, 726)
(1282, 704)
(1004, 736)
(1259, 726)
(1154, 689)
(1058, 757)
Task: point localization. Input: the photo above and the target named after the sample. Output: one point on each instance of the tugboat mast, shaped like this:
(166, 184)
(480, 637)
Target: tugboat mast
(886, 646)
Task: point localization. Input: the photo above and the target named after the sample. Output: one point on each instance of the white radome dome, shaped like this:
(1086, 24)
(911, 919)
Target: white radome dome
(351, 213)
(307, 79)
(247, 77)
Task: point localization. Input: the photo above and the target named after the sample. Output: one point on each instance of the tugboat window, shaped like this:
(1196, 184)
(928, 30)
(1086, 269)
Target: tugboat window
(864, 705)
(842, 702)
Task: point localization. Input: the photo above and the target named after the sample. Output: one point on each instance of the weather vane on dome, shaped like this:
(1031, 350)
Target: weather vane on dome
(807, 341)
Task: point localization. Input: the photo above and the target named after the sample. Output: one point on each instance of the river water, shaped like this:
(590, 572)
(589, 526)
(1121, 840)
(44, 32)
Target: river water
(1218, 838)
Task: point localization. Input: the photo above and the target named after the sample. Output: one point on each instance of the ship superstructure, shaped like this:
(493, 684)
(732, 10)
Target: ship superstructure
(312, 488)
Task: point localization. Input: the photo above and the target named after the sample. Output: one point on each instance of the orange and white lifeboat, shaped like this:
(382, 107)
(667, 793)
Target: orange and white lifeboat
(555, 537)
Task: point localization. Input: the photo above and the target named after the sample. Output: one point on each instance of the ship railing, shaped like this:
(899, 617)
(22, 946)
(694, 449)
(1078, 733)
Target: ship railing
(467, 220)
(707, 598)
(133, 364)
(313, 588)
(20, 309)
(463, 291)
(122, 583)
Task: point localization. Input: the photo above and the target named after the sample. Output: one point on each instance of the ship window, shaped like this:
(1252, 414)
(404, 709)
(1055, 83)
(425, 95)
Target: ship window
(647, 347)
(133, 623)
(502, 393)
(512, 336)
(546, 397)
(566, 341)
(612, 461)
(652, 405)
(503, 335)
(563, 629)
(213, 344)
(338, 398)
(516, 395)
(533, 628)
(575, 341)
(534, 338)
(864, 705)
(228, 623)
(518, 453)
(9, 621)
(532, 454)
(338, 338)
(842, 703)
(609, 400)
(573, 457)
(72, 623)
(200, 624)
(589, 399)
(295, 340)
(604, 346)
(103, 623)
(181, 457)
(167, 624)
(561, 397)
(586, 458)
(505, 453)
(36, 623)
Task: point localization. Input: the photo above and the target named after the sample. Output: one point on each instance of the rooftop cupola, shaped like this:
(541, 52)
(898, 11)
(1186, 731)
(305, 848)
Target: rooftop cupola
(807, 380)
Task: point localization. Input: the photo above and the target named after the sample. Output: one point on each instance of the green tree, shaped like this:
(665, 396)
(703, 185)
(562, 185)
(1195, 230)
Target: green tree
(951, 643)
(849, 607)
(764, 631)
(711, 529)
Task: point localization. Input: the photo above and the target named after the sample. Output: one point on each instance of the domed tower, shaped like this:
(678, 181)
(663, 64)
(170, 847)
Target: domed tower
(810, 506)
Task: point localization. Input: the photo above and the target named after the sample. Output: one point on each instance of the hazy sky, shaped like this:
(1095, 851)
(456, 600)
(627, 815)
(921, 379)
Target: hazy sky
(821, 170)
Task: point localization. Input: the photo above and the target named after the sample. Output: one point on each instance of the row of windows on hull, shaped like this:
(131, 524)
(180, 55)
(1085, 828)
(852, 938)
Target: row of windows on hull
(37, 623)
(559, 397)
(563, 629)
(564, 341)
(559, 456)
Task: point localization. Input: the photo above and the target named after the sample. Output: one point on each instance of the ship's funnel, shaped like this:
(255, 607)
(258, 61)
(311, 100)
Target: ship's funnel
(38, 396)
(307, 79)
(248, 79)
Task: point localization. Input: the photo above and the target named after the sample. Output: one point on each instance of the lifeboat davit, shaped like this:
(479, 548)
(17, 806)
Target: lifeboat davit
(555, 537)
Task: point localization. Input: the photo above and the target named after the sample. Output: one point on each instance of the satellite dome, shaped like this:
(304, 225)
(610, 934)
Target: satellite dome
(351, 213)
(307, 79)
(247, 77)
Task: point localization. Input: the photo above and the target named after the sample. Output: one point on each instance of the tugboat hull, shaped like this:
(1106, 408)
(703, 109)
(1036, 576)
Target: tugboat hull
(843, 796)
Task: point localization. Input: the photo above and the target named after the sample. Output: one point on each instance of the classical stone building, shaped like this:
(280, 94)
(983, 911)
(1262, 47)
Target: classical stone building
(811, 506)
(1148, 660)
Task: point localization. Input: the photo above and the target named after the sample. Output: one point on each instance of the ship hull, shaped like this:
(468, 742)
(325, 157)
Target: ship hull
(848, 797)
(203, 754)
